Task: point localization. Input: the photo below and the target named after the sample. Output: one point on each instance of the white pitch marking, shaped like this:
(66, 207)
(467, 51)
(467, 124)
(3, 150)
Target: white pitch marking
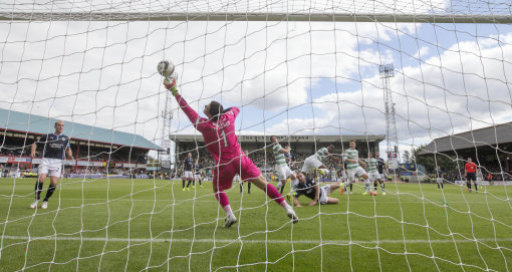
(249, 241)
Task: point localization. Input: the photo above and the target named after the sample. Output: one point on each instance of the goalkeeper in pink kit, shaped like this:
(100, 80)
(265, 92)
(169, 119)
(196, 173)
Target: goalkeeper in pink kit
(218, 131)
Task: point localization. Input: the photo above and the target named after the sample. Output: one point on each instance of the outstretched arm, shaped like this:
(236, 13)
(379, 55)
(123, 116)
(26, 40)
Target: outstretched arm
(317, 195)
(191, 113)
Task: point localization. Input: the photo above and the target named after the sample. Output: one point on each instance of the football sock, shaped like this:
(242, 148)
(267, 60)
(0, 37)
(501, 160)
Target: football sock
(272, 193)
(367, 186)
(49, 192)
(223, 199)
(38, 188)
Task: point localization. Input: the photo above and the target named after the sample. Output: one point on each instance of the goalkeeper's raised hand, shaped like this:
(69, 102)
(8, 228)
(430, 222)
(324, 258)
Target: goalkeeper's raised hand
(170, 84)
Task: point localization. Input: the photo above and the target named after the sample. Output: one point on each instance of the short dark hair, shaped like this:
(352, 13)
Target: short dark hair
(216, 110)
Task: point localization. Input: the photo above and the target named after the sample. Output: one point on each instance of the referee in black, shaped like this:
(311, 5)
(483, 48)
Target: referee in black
(55, 146)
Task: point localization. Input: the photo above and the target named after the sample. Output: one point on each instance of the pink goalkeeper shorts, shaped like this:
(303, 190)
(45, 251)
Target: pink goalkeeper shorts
(224, 174)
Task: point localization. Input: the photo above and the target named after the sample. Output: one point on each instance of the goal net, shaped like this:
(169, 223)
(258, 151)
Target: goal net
(427, 84)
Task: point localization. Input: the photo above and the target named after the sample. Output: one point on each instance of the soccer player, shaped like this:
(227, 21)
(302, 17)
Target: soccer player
(55, 147)
(218, 131)
(344, 177)
(489, 178)
(470, 172)
(197, 174)
(319, 194)
(439, 177)
(372, 165)
(290, 157)
(186, 169)
(314, 163)
(354, 169)
(283, 170)
(383, 172)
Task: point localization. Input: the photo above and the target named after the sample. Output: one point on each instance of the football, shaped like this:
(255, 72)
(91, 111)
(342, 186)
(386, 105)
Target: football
(165, 68)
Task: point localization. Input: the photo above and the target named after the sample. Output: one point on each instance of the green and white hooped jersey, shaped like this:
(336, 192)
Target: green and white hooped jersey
(351, 154)
(372, 164)
(279, 155)
(321, 154)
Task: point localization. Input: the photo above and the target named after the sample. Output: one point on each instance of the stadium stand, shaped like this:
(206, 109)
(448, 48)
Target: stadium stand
(260, 147)
(489, 147)
(95, 148)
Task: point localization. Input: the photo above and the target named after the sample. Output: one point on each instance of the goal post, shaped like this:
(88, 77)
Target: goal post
(298, 17)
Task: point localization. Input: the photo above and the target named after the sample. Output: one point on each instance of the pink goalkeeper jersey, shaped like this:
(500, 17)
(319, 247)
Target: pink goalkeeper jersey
(219, 137)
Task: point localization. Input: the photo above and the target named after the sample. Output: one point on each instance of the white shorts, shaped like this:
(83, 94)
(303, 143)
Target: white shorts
(188, 174)
(325, 191)
(197, 177)
(374, 175)
(439, 180)
(311, 163)
(53, 167)
(236, 179)
(352, 173)
(283, 171)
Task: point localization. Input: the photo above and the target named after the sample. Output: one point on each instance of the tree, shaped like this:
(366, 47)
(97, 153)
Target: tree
(446, 162)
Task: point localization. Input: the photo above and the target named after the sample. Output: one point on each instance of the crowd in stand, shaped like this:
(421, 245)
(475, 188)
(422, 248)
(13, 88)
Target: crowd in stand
(489, 173)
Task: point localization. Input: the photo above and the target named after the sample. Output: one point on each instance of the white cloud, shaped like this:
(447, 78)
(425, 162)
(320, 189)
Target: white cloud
(431, 100)
(422, 52)
(104, 74)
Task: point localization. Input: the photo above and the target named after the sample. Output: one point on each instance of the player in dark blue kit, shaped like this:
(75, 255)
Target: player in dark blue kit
(308, 187)
(187, 169)
(290, 157)
(197, 174)
(439, 177)
(383, 172)
(55, 147)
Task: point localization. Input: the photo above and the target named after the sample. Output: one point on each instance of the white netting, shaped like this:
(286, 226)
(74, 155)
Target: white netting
(307, 72)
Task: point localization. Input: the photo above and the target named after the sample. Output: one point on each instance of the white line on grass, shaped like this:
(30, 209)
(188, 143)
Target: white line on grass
(159, 240)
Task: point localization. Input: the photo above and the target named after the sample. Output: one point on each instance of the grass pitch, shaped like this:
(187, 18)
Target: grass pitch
(134, 225)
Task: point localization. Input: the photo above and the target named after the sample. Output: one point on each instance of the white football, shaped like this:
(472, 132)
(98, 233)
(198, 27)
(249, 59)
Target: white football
(165, 68)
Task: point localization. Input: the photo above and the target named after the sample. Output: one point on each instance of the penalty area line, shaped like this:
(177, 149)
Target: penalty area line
(248, 241)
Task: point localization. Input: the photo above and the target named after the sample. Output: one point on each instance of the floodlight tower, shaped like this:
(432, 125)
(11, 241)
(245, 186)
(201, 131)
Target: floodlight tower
(166, 121)
(386, 72)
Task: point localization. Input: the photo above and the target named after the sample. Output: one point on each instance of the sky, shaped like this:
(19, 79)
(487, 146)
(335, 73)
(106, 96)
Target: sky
(286, 77)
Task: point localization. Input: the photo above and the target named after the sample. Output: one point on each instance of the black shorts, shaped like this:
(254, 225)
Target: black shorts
(470, 176)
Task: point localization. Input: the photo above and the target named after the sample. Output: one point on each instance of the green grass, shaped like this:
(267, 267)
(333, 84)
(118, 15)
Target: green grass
(108, 225)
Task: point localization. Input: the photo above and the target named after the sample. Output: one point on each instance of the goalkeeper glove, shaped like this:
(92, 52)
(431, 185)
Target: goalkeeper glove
(170, 84)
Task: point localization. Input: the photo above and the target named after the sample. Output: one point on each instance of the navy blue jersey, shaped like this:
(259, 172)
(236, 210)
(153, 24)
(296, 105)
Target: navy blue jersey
(306, 188)
(289, 157)
(54, 146)
(380, 165)
(439, 173)
(188, 164)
